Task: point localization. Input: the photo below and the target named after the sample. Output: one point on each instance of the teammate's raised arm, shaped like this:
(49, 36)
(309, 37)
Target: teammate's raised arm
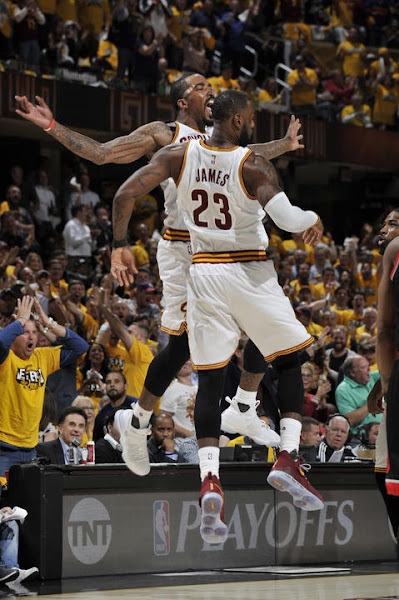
(290, 142)
(144, 141)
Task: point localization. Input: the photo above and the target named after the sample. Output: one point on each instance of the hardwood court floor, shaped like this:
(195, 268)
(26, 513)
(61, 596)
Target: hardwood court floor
(366, 581)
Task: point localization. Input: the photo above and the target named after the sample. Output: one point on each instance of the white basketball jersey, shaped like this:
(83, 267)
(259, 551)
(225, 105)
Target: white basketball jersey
(182, 134)
(219, 212)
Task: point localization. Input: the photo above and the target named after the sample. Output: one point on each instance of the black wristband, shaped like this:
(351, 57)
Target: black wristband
(120, 243)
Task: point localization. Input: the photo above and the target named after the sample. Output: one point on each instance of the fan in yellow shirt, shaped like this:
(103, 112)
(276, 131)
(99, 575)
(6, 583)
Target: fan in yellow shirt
(224, 81)
(303, 83)
(352, 53)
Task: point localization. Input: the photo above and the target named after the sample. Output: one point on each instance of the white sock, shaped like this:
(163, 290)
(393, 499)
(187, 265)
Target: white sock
(143, 415)
(209, 461)
(246, 397)
(290, 432)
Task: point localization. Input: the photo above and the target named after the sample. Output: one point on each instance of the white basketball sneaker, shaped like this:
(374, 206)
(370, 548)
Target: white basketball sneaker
(133, 442)
(243, 419)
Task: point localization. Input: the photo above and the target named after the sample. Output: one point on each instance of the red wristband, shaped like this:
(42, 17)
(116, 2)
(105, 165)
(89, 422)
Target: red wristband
(51, 126)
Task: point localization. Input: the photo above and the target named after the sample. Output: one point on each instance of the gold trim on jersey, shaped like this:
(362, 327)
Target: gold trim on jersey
(244, 189)
(215, 366)
(176, 133)
(215, 148)
(176, 235)
(183, 165)
(183, 327)
(229, 257)
(294, 349)
(380, 470)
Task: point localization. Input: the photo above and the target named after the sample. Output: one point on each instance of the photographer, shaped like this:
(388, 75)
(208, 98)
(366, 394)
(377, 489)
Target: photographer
(24, 369)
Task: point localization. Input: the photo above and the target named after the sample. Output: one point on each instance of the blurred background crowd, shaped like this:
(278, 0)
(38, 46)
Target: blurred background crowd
(327, 59)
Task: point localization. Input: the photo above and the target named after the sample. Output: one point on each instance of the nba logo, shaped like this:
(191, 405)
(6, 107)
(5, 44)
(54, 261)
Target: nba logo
(213, 159)
(161, 527)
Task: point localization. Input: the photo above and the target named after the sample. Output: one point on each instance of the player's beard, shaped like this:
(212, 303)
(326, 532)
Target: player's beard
(244, 137)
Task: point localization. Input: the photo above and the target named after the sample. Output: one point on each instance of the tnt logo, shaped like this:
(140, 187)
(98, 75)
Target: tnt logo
(89, 531)
(161, 527)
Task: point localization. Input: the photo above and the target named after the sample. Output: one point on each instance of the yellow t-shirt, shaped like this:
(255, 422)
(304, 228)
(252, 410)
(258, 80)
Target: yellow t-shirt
(349, 110)
(288, 247)
(145, 210)
(140, 255)
(67, 10)
(89, 326)
(302, 94)
(137, 361)
(178, 24)
(314, 329)
(343, 315)
(319, 291)
(385, 105)
(117, 356)
(368, 287)
(22, 393)
(352, 58)
(47, 6)
(92, 14)
(220, 84)
(55, 291)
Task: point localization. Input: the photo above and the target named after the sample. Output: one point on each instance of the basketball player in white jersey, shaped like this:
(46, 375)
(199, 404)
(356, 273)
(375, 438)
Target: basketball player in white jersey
(192, 97)
(222, 187)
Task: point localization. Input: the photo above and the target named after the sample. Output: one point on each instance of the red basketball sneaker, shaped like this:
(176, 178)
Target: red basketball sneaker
(287, 475)
(213, 528)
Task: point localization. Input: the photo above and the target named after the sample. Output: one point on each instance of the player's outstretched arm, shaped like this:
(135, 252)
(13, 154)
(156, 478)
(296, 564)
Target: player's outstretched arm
(166, 163)
(261, 180)
(144, 141)
(291, 141)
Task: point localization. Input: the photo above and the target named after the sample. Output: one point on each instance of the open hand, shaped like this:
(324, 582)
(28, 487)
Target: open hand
(39, 114)
(122, 265)
(293, 136)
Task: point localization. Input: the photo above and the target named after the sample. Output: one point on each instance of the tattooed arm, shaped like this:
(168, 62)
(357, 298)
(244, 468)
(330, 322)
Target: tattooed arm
(143, 141)
(166, 163)
(261, 180)
(291, 141)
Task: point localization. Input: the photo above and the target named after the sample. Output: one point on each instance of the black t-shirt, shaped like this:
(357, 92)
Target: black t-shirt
(337, 361)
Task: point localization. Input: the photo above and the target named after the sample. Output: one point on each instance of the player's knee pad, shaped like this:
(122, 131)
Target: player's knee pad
(254, 361)
(290, 385)
(207, 403)
(165, 366)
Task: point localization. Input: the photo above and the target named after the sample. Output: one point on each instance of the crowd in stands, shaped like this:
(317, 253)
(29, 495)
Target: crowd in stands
(338, 53)
(55, 245)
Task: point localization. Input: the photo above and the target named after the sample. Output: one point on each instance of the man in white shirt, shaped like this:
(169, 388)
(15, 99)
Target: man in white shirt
(178, 402)
(87, 197)
(77, 236)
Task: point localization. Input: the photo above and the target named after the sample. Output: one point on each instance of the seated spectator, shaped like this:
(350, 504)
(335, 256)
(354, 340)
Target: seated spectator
(108, 448)
(188, 451)
(178, 402)
(86, 404)
(162, 446)
(339, 352)
(339, 93)
(10, 573)
(351, 394)
(71, 426)
(333, 447)
(357, 113)
(47, 429)
(315, 405)
(309, 440)
(303, 82)
(115, 389)
(368, 438)
(24, 369)
(352, 54)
